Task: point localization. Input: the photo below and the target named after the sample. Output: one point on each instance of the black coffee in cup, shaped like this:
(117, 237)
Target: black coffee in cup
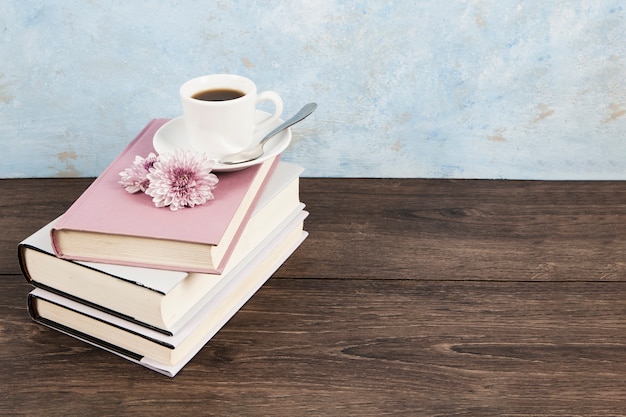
(219, 94)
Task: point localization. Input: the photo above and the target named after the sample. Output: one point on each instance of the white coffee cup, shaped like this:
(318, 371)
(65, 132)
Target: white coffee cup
(222, 127)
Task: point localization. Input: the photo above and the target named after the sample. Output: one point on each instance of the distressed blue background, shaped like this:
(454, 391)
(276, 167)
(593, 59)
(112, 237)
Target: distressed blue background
(432, 88)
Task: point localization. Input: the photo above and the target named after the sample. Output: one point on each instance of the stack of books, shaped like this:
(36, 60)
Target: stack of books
(154, 285)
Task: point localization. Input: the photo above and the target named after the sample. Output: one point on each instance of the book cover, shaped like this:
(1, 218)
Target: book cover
(154, 350)
(158, 298)
(107, 224)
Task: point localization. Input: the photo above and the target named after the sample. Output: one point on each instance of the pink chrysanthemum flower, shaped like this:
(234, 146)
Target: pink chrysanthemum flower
(182, 179)
(135, 178)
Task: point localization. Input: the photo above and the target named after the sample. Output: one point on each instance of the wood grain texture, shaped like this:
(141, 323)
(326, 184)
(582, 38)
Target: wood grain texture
(465, 230)
(410, 297)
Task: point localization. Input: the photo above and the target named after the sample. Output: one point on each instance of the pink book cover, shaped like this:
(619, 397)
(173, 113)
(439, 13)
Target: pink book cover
(106, 207)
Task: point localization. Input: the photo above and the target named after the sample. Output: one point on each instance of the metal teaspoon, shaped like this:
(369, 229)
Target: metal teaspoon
(257, 151)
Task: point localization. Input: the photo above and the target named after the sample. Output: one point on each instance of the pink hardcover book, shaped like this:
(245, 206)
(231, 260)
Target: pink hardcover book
(107, 224)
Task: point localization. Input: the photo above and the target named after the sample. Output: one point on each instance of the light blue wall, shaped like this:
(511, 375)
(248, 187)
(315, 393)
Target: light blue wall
(431, 88)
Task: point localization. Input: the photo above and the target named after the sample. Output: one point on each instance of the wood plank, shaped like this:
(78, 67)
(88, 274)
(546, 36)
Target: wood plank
(351, 347)
(414, 229)
(464, 230)
(29, 204)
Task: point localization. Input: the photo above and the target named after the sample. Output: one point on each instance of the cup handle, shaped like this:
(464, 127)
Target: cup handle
(278, 108)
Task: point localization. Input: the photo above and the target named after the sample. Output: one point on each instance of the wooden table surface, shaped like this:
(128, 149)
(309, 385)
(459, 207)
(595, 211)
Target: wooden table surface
(410, 297)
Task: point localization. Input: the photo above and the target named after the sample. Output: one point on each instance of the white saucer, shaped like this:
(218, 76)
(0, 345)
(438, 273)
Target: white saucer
(172, 135)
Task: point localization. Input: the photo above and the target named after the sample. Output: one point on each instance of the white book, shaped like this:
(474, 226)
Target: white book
(166, 354)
